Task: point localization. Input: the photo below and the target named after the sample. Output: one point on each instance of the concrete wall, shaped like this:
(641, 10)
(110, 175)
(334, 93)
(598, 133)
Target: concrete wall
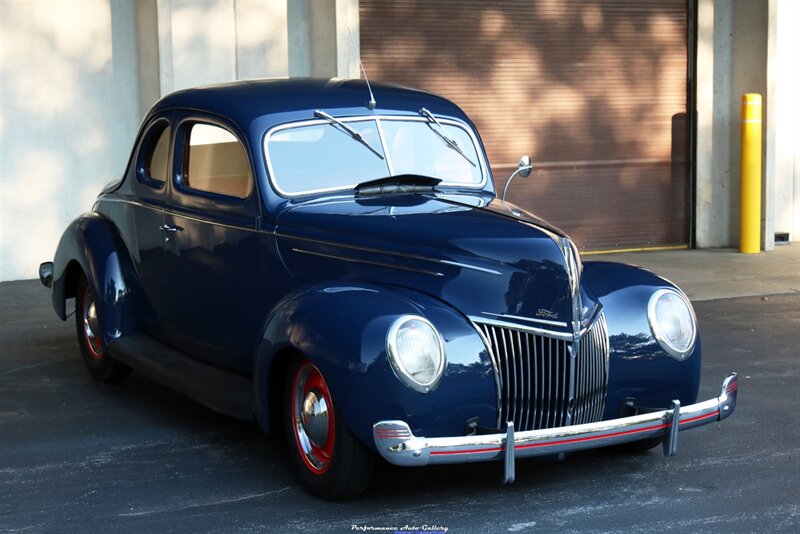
(70, 110)
(783, 108)
(208, 41)
(77, 78)
(732, 41)
(323, 38)
(711, 196)
(746, 47)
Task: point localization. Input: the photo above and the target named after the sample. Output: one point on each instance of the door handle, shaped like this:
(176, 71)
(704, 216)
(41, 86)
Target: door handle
(170, 228)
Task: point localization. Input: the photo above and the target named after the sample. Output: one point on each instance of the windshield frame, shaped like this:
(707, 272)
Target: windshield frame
(482, 163)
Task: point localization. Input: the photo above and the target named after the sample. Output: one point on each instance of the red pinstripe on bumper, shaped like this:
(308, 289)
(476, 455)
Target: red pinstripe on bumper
(396, 442)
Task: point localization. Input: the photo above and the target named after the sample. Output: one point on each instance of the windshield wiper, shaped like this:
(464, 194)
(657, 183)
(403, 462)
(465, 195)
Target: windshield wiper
(440, 132)
(354, 134)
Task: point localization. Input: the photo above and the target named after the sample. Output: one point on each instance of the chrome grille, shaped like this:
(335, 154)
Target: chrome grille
(535, 376)
(591, 374)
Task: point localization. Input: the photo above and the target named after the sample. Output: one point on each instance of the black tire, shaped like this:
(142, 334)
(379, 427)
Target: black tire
(95, 355)
(638, 447)
(339, 466)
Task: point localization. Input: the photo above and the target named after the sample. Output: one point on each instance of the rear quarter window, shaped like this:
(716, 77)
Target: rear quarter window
(154, 154)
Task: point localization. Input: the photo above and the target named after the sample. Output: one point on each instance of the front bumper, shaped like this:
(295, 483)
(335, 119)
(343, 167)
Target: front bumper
(397, 444)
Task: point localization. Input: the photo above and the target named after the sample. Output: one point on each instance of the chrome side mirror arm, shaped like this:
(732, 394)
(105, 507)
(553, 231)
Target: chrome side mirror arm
(524, 169)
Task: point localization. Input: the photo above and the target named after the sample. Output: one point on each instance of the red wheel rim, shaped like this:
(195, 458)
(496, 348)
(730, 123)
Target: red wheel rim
(312, 418)
(90, 325)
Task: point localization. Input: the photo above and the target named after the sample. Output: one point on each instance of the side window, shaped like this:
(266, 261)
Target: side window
(216, 162)
(154, 154)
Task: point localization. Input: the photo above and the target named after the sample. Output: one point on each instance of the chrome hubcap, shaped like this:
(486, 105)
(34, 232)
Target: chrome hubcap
(91, 326)
(313, 418)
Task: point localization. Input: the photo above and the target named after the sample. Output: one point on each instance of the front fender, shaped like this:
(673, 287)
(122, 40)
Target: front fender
(92, 244)
(342, 330)
(638, 367)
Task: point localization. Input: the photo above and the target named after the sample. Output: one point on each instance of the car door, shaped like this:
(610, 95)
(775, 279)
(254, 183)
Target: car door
(144, 206)
(213, 251)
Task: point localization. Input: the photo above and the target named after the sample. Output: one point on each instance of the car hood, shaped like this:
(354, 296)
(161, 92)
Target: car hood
(486, 258)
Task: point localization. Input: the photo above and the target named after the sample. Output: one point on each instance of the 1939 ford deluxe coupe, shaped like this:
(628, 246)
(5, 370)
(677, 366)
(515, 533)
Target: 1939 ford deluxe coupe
(287, 251)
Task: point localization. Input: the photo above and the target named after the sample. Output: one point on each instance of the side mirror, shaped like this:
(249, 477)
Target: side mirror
(523, 169)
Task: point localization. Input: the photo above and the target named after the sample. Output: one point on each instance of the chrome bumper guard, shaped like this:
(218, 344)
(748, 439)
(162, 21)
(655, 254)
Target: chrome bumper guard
(398, 445)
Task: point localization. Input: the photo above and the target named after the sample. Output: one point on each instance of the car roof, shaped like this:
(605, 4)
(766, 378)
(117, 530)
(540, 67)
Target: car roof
(247, 100)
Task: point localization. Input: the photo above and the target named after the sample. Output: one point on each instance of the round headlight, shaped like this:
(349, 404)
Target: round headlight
(416, 351)
(673, 323)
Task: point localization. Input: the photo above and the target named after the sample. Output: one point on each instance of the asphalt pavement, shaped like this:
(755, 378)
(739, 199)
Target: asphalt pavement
(78, 456)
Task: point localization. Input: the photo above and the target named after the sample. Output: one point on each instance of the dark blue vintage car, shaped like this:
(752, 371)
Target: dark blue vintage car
(295, 253)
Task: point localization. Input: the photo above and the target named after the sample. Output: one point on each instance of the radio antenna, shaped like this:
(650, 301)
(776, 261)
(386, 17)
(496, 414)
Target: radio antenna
(371, 104)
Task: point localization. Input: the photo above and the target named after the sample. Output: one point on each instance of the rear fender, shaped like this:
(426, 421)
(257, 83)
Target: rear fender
(92, 247)
(342, 329)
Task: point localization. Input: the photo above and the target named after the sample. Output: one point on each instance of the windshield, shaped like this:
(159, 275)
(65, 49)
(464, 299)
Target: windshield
(324, 156)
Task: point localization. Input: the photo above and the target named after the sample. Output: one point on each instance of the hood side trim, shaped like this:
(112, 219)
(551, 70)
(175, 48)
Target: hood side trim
(368, 262)
(372, 250)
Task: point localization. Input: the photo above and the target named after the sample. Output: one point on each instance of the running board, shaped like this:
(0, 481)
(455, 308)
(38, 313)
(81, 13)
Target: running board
(220, 390)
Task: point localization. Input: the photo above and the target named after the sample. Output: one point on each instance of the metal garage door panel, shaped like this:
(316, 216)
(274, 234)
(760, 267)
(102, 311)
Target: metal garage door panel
(595, 92)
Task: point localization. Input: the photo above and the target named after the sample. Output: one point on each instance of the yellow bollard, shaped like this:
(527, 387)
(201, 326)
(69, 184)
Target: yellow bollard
(750, 216)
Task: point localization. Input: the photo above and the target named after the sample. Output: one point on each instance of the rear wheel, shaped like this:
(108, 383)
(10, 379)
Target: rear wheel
(95, 354)
(330, 462)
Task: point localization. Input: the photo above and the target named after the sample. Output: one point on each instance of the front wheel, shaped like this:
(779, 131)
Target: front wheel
(95, 355)
(330, 462)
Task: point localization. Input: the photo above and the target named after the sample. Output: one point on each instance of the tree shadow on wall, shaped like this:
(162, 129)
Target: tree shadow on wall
(589, 89)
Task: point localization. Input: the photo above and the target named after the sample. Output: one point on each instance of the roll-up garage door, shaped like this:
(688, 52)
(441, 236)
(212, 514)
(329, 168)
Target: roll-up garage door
(595, 92)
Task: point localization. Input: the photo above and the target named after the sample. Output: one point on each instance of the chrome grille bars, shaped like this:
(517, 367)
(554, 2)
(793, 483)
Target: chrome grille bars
(540, 386)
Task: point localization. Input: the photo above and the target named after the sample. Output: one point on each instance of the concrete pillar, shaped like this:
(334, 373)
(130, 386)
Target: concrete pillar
(299, 37)
(323, 45)
(348, 43)
(262, 46)
(197, 43)
(209, 41)
(164, 22)
(748, 74)
(732, 44)
(783, 128)
(770, 110)
(323, 38)
(147, 59)
(707, 211)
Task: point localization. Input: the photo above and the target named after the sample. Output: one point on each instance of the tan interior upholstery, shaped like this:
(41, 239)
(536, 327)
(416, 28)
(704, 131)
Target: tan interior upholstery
(220, 168)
